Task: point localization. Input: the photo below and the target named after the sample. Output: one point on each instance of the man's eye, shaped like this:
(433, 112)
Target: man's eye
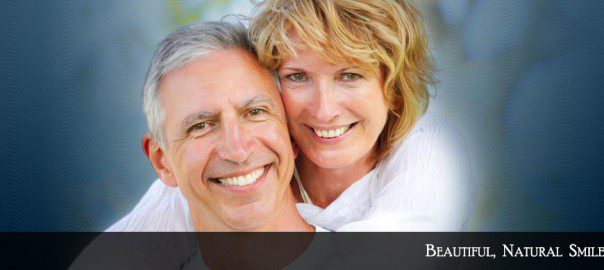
(296, 77)
(199, 126)
(350, 77)
(254, 112)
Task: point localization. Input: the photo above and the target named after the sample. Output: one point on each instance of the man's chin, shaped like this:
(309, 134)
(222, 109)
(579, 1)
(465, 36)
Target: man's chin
(250, 217)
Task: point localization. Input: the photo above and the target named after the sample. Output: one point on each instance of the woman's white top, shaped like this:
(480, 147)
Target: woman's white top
(425, 184)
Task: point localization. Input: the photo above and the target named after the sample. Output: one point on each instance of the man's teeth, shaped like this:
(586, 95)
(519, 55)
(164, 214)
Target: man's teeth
(242, 180)
(331, 133)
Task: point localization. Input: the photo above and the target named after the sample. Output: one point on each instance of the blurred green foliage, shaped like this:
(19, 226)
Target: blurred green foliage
(179, 15)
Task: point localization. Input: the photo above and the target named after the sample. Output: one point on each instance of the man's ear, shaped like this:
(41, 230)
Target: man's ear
(157, 157)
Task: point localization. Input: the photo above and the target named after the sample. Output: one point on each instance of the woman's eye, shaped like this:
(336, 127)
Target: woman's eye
(297, 77)
(350, 77)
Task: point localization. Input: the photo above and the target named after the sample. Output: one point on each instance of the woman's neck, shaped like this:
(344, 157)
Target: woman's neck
(324, 185)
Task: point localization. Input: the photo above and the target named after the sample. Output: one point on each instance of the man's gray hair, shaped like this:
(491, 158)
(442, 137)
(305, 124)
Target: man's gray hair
(187, 43)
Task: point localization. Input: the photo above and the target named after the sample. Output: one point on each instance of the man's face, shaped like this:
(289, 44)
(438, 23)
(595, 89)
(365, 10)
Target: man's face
(228, 146)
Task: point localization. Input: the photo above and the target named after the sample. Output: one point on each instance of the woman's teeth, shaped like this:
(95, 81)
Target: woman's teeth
(242, 180)
(331, 133)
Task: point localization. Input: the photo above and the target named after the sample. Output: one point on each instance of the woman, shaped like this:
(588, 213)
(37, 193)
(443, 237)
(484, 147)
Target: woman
(354, 78)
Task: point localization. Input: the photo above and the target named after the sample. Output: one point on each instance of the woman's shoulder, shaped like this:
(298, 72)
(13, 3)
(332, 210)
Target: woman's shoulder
(429, 172)
(433, 129)
(432, 138)
(432, 159)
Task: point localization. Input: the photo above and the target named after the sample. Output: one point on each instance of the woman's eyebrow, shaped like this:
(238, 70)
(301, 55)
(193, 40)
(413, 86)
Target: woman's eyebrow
(295, 68)
(347, 68)
(292, 68)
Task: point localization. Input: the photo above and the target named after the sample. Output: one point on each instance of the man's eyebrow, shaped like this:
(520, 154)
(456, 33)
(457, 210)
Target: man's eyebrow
(196, 116)
(209, 115)
(258, 99)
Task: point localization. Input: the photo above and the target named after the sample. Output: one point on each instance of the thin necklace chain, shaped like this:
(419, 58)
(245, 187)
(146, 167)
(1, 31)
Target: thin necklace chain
(303, 192)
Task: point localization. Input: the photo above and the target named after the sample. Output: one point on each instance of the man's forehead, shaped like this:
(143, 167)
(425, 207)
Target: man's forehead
(219, 82)
(225, 73)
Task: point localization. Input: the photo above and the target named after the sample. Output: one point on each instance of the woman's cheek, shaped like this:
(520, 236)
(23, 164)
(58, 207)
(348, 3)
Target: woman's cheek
(278, 131)
(291, 105)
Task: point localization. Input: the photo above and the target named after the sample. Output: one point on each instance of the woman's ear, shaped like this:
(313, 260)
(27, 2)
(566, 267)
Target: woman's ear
(294, 147)
(158, 159)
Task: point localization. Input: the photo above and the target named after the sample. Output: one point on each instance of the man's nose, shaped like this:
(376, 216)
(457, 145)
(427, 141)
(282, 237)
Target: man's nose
(235, 143)
(326, 106)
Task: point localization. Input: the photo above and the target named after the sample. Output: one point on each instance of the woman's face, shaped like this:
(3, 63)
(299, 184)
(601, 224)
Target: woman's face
(335, 112)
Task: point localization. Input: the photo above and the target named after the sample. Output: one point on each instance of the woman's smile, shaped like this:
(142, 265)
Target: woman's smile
(330, 135)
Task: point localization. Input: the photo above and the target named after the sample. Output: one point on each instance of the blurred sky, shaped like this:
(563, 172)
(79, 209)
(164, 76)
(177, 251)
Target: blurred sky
(521, 79)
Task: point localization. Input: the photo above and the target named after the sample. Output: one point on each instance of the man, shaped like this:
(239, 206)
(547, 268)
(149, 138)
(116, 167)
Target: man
(218, 136)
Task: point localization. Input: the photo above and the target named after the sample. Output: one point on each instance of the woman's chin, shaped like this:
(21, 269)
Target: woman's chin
(331, 160)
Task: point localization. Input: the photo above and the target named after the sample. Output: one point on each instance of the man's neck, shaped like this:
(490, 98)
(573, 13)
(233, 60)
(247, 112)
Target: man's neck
(284, 219)
(252, 250)
(324, 185)
(257, 251)
(287, 218)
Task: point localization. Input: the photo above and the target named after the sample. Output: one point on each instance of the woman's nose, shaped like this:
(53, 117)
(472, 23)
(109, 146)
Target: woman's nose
(326, 106)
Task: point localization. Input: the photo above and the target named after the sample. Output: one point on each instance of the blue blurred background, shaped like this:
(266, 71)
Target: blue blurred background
(522, 80)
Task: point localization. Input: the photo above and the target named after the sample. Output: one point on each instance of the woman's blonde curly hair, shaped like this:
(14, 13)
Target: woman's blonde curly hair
(384, 34)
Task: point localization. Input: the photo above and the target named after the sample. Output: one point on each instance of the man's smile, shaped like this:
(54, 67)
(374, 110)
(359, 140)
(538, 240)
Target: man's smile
(244, 178)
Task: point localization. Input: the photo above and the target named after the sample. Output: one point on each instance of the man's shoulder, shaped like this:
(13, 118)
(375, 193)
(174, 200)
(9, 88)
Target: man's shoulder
(162, 208)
